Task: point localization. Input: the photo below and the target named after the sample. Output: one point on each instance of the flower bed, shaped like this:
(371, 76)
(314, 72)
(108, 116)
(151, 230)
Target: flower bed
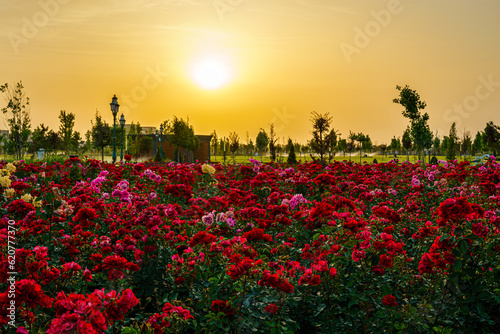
(91, 248)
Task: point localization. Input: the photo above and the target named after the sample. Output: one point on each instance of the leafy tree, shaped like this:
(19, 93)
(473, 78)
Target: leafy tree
(466, 147)
(67, 120)
(101, 134)
(17, 112)
(477, 145)
(383, 148)
(342, 145)
(406, 141)
(491, 138)
(363, 140)
(88, 140)
(395, 145)
(3, 142)
(234, 143)
(53, 142)
(292, 159)
(331, 140)
(321, 124)
(75, 141)
(452, 142)
(39, 139)
(262, 141)
(436, 144)
(420, 132)
(181, 135)
(135, 133)
(250, 147)
(213, 143)
(272, 142)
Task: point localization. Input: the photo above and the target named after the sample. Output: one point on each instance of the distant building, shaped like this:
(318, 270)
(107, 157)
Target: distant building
(145, 130)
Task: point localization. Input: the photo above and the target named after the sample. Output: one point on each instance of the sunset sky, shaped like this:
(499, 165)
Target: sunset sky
(275, 62)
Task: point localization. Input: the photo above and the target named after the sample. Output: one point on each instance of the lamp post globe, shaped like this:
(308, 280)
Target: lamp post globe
(122, 124)
(114, 110)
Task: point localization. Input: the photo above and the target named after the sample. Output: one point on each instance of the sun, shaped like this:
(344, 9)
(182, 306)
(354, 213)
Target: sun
(210, 73)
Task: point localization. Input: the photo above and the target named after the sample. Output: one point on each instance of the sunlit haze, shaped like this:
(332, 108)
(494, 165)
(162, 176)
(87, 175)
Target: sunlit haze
(241, 65)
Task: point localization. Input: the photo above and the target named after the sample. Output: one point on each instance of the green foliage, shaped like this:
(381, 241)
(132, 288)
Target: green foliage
(262, 141)
(421, 134)
(234, 143)
(18, 117)
(67, 120)
(491, 138)
(320, 141)
(101, 133)
(181, 134)
(451, 143)
(272, 142)
(292, 159)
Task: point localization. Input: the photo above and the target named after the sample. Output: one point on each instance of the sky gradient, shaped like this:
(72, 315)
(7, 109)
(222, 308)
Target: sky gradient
(286, 59)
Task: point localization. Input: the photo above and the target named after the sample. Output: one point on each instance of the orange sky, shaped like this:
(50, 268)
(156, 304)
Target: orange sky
(286, 58)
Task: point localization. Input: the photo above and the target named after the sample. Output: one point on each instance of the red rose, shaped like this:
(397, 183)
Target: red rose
(389, 300)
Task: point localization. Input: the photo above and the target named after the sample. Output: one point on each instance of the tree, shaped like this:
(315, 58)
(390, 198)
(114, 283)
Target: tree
(298, 148)
(491, 138)
(234, 143)
(406, 142)
(272, 142)
(292, 159)
(181, 135)
(342, 145)
(135, 132)
(436, 144)
(466, 147)
(101, 134)
(477, 145)
(420, 132)
(331, 140)
(67, 120)
(321, 124)
(214, 143)
(395, 145)
(452, 142)
(383, 148)
(364, 142)
(17, 112)
(53, 142)
(88, 141)
(262, 141)
(39, 139)
(75, 141)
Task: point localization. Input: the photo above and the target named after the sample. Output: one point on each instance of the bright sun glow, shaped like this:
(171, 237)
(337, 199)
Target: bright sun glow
(210, 73)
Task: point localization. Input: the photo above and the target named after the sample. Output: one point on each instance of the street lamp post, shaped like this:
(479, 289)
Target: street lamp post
(161, 147)
(114, 109)
(122, 124)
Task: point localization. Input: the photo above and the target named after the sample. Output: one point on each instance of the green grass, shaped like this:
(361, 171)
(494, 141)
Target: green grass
(340, 158)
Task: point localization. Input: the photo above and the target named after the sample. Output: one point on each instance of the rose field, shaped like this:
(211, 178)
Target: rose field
(89, 247)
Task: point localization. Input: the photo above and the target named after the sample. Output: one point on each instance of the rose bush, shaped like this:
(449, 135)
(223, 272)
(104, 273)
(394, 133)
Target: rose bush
(168, 248)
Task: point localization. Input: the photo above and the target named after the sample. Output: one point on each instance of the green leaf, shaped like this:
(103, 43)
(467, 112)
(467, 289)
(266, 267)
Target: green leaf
(463, 246)
(352, 302)
(457, 265)
(319, 309)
